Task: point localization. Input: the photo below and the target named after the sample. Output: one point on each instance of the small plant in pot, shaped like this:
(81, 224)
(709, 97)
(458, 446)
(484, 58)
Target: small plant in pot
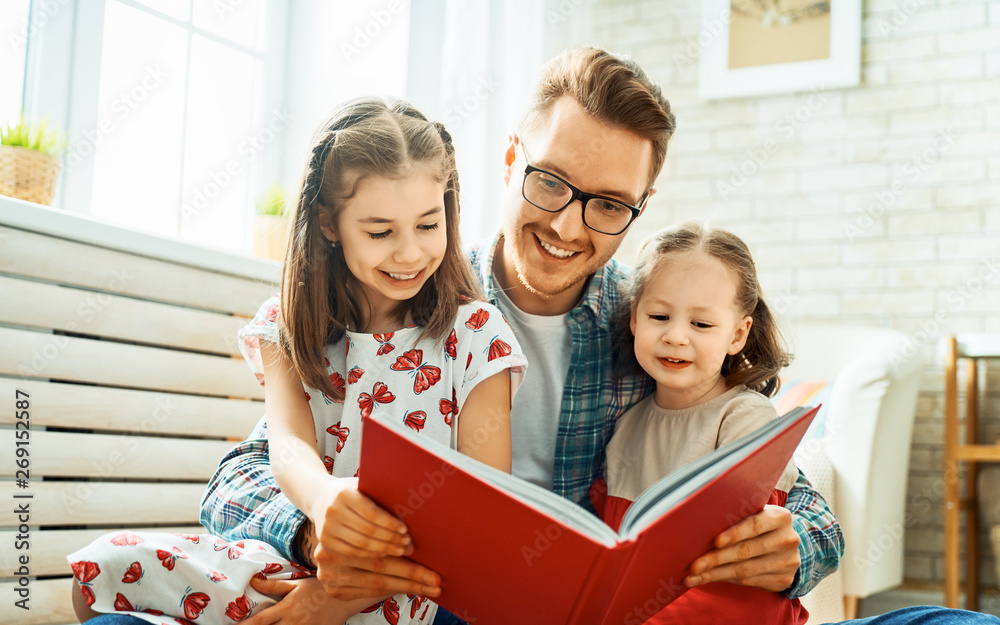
(29, 166)
(270, 227)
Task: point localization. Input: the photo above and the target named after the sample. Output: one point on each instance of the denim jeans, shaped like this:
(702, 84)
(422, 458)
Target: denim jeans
(925, 615)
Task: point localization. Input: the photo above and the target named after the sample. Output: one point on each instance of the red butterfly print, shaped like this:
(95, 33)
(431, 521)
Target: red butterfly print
(167, 558)
(385, 346)
(498, 349)
(328, 463)
(477, 320)
(272, 313)
(124, 605)
(235, 550)
(194, 603)
(380, 395)
(234, 553)
(183, 621)
(133, 574)
(88, 594)
(192, 537)
(308, 397)
(449, 345)
(85, 572)
(338, 383)
(354, 374)
(425, 376)
(341, 434)
(326, 362)
(240, 608)
(271, 567)
(449, 408)
(468, 361)
(126, 538)
(216, 576)
(415, 419)
(415, 604)
(390, 610)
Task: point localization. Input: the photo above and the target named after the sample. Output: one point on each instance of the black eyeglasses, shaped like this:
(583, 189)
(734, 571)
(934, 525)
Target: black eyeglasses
(551, 193)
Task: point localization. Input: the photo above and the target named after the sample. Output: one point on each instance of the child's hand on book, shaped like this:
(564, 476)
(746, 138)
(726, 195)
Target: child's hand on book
(360, 547)
(762, 550)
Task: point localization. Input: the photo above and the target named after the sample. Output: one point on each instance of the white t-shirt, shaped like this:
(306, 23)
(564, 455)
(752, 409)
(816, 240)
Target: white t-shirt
(534, 415)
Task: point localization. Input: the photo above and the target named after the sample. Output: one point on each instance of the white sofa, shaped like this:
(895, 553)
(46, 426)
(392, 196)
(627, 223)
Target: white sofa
(861, 460)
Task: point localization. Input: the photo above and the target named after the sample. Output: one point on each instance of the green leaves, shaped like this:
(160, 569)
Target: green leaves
(40, 136)
(272, 201)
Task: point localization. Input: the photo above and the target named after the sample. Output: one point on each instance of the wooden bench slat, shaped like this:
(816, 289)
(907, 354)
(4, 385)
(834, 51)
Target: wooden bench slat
(103, 503)
(47, 554)
(116, 457)
(39, 354)
(58, 260)
(48, 306)
(126, 410)
(50, 603)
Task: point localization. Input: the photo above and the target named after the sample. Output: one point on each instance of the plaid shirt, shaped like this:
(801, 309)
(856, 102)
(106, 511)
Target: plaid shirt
(243, 499)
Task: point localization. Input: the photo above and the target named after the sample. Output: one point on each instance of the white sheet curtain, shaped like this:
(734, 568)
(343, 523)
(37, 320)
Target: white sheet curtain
(471, 65)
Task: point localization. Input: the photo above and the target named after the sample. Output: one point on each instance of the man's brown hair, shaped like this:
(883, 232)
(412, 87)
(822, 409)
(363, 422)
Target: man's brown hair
(612, 88)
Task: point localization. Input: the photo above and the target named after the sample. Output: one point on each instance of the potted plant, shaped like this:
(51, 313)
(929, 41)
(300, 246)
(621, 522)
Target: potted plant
(270, 227)
(29, 166)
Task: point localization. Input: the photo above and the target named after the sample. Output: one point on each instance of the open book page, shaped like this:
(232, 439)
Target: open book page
(674, 488)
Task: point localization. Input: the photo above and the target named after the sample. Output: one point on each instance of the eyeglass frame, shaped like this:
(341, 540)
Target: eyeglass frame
(577, 194)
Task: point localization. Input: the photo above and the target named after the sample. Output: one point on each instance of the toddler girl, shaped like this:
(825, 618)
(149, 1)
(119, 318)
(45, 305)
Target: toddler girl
(696, 322)
(379, 311)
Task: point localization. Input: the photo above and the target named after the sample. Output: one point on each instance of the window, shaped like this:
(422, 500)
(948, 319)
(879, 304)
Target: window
(180, 114)
(12, 58)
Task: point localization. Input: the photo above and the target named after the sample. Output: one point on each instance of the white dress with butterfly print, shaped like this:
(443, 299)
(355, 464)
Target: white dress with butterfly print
(422, 383)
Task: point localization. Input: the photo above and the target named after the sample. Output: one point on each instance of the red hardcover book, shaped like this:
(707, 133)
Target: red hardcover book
(509, 551)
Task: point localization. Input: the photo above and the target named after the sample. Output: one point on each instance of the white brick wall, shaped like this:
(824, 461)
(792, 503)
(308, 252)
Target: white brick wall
(863, 212)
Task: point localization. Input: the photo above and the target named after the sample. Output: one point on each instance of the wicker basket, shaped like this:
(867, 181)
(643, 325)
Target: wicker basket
(28, 174)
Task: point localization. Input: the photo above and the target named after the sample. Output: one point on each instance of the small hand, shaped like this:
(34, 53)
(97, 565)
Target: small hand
(762, 550)
(303, 602)
(357, 549)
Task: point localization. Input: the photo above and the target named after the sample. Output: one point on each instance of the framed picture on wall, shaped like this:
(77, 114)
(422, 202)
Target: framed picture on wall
(756, 47)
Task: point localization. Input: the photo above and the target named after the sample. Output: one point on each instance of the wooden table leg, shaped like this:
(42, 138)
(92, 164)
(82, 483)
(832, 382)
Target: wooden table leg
(951, 544)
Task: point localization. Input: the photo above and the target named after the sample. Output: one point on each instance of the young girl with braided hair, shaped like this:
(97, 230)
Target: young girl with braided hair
(695, 320)
(378, 311)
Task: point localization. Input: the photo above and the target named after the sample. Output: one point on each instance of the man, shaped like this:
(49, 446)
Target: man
(597, 127)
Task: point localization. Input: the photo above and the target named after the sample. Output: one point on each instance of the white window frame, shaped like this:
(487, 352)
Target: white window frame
(62, 82)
